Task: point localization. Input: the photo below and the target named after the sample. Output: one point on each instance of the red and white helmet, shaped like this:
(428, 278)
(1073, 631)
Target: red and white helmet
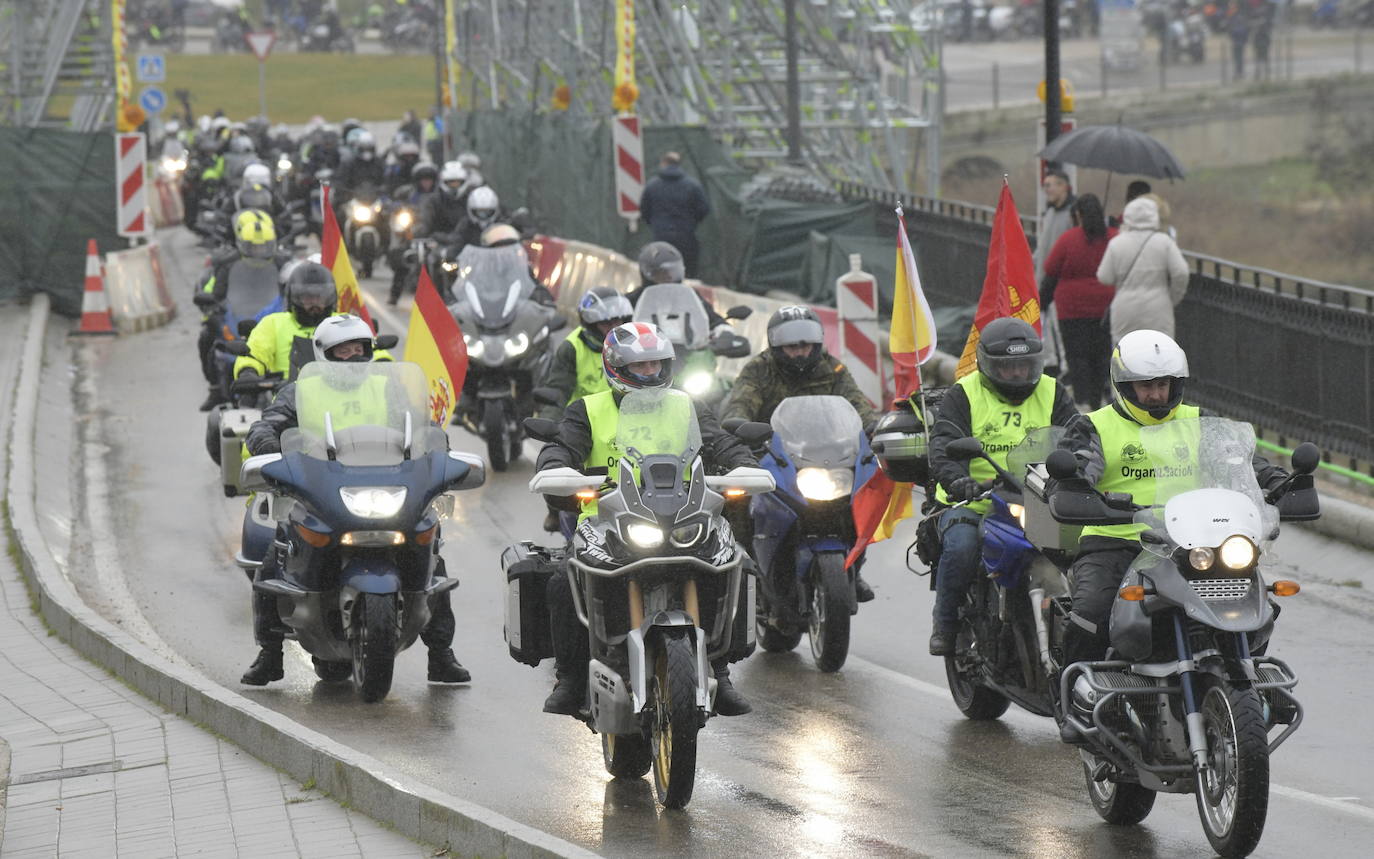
(629, 344)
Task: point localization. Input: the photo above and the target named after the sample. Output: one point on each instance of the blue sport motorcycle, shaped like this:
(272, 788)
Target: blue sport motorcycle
(804, 530)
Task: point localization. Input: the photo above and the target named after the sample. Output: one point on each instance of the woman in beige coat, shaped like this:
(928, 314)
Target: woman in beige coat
(1148, 271)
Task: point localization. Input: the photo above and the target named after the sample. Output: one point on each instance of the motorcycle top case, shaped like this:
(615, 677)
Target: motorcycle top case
(899, 440)
(528, 569)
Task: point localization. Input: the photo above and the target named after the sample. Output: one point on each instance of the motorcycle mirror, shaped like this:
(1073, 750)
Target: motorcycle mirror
(964, 448)
(1061, 465)
(541, 428)
(246, 326)
(548, 397)
(732, 424)
(753, 433)
(1306, 458)
(731, 346)
(739, 311)
(558, 323)
(387, 341)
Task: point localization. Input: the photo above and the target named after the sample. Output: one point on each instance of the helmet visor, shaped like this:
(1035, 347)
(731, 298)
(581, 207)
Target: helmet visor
(257, 250)
(1012, 369)
(796, 331)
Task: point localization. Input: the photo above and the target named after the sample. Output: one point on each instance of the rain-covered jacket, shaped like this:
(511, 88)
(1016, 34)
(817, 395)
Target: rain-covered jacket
(574, 371)
(1148, 271)
(762, 384)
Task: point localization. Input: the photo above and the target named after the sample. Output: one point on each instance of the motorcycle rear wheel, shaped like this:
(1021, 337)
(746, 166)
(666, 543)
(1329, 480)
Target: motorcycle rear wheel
(332, 672)
(212, 422)
(829, 629)
(676, 720)
(626, 755)
(1118, 803)
(1233, 794)
(374, 645)
(494, 431)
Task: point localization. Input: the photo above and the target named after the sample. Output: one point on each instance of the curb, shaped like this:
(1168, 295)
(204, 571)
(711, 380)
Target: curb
(362, 782)
(4, 785)
(1343, 520)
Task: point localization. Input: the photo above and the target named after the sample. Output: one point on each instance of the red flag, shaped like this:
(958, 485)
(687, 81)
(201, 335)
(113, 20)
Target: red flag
(877, 507)
(1009, 288)
(435, 342)
(334, 256)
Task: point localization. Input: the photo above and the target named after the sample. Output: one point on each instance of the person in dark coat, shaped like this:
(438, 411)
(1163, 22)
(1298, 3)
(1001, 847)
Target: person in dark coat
(673, 204)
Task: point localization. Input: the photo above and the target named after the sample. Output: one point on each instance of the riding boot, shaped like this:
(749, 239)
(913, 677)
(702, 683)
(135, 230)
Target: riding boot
(571, 650)
(863, 591)
(729, 701)
(569, 693)
(266, 668)
(444, 667)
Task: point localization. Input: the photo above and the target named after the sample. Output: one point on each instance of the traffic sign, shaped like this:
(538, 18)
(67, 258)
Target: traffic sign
(152, 69)
(152, 99)
(261, 44)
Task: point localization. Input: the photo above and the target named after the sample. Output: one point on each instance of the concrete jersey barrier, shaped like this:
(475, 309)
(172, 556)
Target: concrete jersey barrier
(137, 289)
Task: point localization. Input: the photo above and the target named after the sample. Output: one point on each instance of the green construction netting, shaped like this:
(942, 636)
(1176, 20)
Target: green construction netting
(57, 190)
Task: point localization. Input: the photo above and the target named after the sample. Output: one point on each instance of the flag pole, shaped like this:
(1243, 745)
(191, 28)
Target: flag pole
(911, 308)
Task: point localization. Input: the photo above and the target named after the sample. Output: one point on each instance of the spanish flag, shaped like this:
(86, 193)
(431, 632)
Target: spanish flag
(334, 256)
(911, 340)
(435, 342)
(1009, 288)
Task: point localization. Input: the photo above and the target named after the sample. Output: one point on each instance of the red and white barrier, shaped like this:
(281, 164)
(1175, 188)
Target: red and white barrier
(137, 289)
(131, 187)
(628, 146)
(166, 203)
(856, 299)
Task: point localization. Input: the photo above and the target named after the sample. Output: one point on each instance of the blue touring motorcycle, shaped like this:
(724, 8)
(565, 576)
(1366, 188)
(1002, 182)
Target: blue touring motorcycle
(805, 528)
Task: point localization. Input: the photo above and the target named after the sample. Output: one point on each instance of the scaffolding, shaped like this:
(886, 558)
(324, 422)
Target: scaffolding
(870, 77)
(56, 64)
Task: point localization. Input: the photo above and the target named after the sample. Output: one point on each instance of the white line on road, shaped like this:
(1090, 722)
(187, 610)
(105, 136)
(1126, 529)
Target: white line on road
(1334, 803)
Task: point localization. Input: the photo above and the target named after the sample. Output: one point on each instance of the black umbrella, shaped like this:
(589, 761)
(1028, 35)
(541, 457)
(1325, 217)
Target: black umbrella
(1115, 148)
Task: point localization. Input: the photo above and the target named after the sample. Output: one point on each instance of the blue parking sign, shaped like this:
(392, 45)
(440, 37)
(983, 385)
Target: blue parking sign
(152, 99)
(152, 69)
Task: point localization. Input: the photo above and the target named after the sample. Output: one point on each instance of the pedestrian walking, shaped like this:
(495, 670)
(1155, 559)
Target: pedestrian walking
(1080, 300)
(1148, 271)
(1054, 220)
(673, 204)
(1238, 26)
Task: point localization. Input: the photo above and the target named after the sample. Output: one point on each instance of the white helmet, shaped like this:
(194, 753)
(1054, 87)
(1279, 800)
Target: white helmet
(451, 177)
(257, 174)
(483, 206)
(469, 160)
(345, 328)
(1144, 355)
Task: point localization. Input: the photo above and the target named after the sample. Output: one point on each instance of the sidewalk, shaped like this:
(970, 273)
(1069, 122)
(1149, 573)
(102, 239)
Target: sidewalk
(96, 769)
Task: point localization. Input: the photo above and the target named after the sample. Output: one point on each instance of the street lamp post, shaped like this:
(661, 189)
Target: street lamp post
(1053, 110)
(794, 153)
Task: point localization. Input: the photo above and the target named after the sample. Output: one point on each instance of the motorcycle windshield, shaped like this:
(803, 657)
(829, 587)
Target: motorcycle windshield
(821, 432)
(678, 313)
(252, 286)
(1205, 485)
(1034, 448)
(494, 281)
(658, 421)
(366, 412)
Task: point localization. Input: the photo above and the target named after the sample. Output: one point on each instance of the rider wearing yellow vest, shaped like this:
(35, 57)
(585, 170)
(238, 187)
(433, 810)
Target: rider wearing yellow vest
(1148, 373)
(1007, 397)
(634, 355)
(337, 338)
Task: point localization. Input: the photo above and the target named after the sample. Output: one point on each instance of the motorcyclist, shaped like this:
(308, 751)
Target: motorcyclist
(255, 243)
(634, 355)
(660, 262)
(575, 368)
(441, 213)
(481, 210)
(1148, 374)
(363, 170)
(255, 192)
(401, 162)
(412, 196)
(795, 364)
(338, 338)
(1008, 396)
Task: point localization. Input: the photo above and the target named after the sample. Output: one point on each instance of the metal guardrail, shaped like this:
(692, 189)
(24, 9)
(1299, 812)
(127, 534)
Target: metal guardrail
(1245, 328)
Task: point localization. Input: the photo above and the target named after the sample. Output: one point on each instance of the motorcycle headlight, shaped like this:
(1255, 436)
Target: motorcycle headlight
(283, 164)
(373, 502)
(697, 384)
(825, 484)
(644, 536)
(1201, 558)
(362, 213)
(402, 220)
(1018, 513)
(449, 265)
(687, 536)
(475, 347)
(1238, 553)
(516, 346)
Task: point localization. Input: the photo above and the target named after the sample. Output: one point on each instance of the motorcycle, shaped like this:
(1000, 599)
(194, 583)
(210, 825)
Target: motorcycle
(679, 314)
(1185, 700)
(365, 229)
(804, 530)
(357, 495)
(1186, 35)
(652, 562)
(507, 334)
(318, 39)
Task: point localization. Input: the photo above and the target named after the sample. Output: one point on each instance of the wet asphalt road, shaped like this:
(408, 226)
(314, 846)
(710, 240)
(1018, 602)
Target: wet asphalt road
(874, 760)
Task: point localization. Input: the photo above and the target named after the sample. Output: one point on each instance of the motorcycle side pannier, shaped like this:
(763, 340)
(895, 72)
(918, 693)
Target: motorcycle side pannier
(899, 440)
(528, 569)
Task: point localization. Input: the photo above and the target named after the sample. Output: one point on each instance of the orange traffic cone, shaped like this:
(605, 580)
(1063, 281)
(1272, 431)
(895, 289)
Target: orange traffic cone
(95, 307)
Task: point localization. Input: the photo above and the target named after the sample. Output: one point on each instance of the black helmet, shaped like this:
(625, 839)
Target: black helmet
(425, 171)
(599, 306)
(660, 262)
(311, 294)
(795, 325)
(1010, 357)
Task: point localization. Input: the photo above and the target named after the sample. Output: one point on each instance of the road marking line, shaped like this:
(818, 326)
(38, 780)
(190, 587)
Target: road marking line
(1335, 803)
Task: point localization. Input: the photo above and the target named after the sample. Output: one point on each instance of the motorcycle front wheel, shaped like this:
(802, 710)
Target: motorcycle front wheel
(1118, 803)
(771, 638)
(973, 699)
(829, 629)
(374, 645)
(676, 720)
(626, 755)
(1233, 792)
(494, 432)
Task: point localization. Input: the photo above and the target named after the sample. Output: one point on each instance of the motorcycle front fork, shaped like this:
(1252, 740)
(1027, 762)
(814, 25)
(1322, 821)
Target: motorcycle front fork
(1188, 682)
